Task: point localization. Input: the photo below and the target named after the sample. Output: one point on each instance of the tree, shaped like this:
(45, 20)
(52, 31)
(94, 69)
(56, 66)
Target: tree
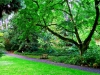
(24, 29)
(78, 13)
(67, 19)
(8, 6)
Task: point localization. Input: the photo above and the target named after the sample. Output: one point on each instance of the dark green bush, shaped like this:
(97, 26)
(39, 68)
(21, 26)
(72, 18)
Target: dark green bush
(68, 56)
(91, 56)
(98, 59)
(7, 44)
(75, 60)
(1, 53)
(71, 51)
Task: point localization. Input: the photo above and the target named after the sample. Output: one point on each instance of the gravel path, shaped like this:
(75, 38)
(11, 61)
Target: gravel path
(58, 64)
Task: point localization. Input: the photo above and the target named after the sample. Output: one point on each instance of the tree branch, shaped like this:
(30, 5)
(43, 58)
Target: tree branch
(63, 11)
(88, 39)
(61, 37)
(76, 31)
(58, 35)
(69, 31)
(63, 28)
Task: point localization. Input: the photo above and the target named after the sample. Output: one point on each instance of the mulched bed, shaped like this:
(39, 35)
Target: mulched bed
(58, 64)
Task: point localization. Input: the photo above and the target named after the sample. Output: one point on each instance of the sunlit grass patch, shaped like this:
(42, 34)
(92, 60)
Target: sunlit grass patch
(19, 66)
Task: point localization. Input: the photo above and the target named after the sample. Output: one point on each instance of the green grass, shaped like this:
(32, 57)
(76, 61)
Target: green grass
(33, 56)
(38, 56)
(17, 66)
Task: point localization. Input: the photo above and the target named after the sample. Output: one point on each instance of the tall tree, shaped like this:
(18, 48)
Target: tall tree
(67, 19)
(79, 14)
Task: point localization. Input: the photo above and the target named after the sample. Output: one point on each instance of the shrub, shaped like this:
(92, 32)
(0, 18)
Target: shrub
(2, 49)
(1, 52)
(91, 56)
(7, 44)
(71, 51)
(98, 60)
(74, 60)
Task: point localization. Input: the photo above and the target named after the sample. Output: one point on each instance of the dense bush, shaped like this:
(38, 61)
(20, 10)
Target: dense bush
(92, 56)
(67, 59)
(68, 51)
(69, 56)
(74, 60)
(1, 53)
(2, 49)
(8, 45)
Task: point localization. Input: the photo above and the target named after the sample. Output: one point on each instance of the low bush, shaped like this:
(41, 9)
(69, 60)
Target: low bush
(7, 45)
(1, 52)
(92, 56)
(74, 60)
(2, 48)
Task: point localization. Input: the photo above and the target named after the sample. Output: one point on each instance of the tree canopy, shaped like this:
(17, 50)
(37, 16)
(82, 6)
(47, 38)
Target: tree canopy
(67, 19)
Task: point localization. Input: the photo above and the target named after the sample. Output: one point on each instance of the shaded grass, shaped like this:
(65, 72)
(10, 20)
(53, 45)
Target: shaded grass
(17, 66)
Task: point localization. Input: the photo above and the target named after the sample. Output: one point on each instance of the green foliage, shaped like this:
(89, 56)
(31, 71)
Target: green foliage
(28, 44)
(92, 56)
(67, 51)
(75, 20)
(45, 14)
(2, 45)
(75, 60)
(68, 56)
(5, 1)
(98, 61)
(26, 33)
(71, 56)
(1, 53)
(2, 49)
(7, 44)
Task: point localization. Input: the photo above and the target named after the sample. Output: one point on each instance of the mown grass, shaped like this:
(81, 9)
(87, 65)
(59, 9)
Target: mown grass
(17, 66)
(33, 56)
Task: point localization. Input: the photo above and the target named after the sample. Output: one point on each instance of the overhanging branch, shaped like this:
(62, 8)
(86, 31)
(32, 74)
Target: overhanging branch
(61, 37)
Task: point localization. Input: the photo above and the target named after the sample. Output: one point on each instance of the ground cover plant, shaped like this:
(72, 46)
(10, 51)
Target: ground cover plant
(16, 66)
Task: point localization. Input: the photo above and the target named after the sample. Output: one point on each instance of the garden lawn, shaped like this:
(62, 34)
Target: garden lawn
(17, 66)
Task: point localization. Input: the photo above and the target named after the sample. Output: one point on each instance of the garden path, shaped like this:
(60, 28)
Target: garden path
(58, 64)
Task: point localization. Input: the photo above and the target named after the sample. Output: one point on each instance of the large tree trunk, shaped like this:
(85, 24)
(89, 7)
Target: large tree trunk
(82, 49)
